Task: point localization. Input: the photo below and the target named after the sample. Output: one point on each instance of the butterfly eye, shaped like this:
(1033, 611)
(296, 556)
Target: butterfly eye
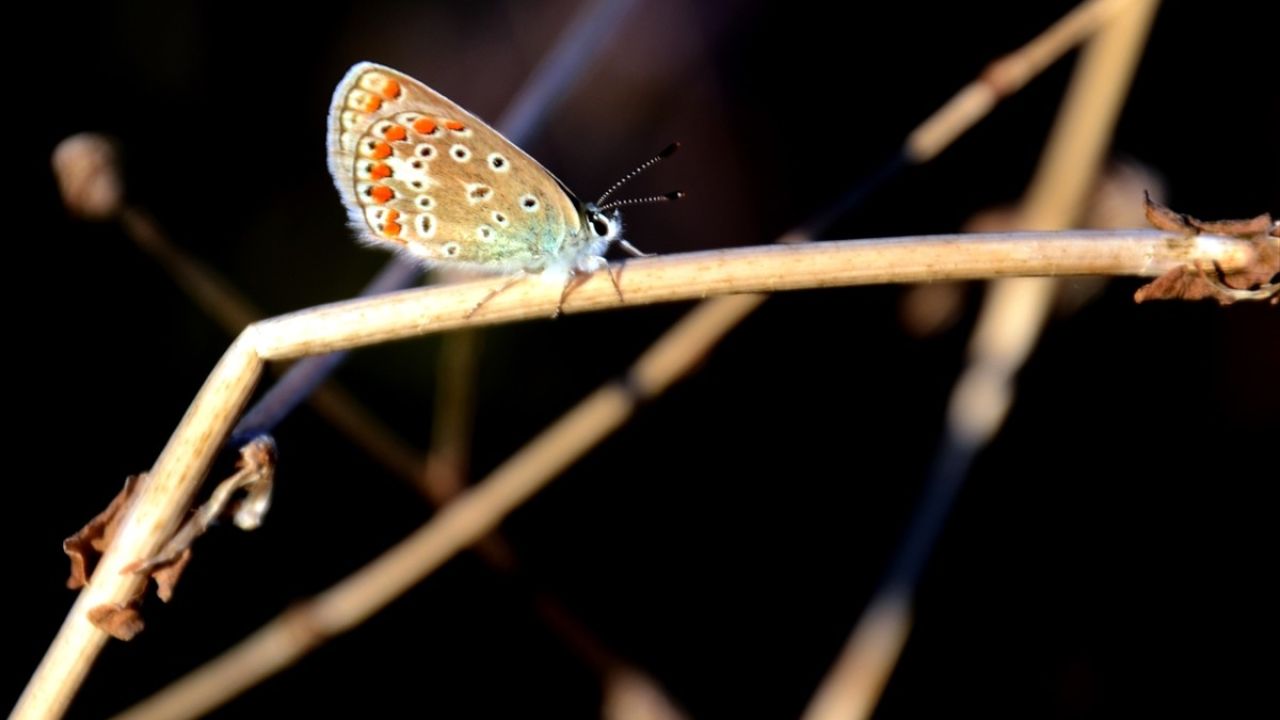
(599, 225)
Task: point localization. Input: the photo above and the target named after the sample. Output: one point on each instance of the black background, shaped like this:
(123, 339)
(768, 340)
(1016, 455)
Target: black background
(1108, 555)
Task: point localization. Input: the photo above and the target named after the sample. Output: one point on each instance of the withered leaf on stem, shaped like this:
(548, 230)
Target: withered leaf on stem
(85, 548)
(1255, 282)
(255, 471)
(122, 622)
(166, 576)
(87, 545)
(1164, 218)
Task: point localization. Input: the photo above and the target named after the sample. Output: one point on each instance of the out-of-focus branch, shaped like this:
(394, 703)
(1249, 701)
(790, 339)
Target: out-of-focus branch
(1008, 328)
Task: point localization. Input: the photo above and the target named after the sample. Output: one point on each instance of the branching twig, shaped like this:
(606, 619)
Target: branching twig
(169, 488)
(1013, 315)
(1006, 76)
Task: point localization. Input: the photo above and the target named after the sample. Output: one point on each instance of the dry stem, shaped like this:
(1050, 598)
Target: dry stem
(170, 486)
(1008, 328)
(356, 323)
(232, 311)
(1006, 76)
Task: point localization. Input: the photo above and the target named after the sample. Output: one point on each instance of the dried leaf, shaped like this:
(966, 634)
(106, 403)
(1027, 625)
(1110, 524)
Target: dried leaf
(256, 471)
(1162, 218)
(86, 546)
(1255, 282)
(121, 622)
(1178, 284)
(166, 577)
(1265, 266)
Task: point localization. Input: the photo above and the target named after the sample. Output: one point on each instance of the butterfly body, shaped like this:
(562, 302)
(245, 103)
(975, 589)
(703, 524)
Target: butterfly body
(421, 175)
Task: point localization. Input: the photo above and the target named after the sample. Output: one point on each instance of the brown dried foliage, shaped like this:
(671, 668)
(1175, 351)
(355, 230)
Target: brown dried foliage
(1260, 280)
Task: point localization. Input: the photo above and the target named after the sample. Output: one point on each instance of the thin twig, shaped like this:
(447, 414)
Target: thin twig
(768, 268)
(220, 300)
(166, 493)
(153, 517)
(445, 471)
(1006, 76)
(464, 521)
(1008, 328)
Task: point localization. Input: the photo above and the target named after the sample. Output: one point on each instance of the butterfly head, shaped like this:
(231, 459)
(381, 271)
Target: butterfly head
(603, 220)
(604, 226)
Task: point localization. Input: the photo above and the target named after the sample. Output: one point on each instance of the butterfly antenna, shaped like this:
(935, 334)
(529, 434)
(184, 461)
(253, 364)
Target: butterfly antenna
(667, 152)
(664, 197)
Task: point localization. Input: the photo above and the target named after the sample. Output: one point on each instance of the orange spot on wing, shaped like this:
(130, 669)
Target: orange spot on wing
(454, 125)
(382, 150)
(391, 90)
(382, 193)
(379, 171)
(426, 126)
(395, 132)
(390, 226)
(373, 104)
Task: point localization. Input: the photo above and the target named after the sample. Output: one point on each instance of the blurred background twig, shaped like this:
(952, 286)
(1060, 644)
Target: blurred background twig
(1008, 328)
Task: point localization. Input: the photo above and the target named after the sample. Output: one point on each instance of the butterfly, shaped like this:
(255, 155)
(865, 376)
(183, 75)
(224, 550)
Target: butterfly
(423, 176)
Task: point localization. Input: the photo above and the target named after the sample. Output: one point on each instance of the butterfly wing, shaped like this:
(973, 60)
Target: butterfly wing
(419, 173)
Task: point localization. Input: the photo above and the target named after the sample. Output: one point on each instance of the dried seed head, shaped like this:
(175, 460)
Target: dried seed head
(88, 171)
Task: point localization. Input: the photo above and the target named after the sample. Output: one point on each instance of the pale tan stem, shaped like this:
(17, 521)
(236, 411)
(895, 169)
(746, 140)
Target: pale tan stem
(468, 518)
(155, 514)
(1081, 137)
(1009, 326)
(166, 496)
(853, 685)
(232, 311)
(768, 268)
(1006, 76)
(448, 459)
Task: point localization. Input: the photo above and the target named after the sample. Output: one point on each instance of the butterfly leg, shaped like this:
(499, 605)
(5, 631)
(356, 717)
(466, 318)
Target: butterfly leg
(517, 277)
(585, 268)
(632, 250)
(575, 279)
(613, 277)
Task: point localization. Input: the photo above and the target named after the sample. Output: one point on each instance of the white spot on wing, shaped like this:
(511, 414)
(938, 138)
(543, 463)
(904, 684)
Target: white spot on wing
(425, 225)
(359, 99)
